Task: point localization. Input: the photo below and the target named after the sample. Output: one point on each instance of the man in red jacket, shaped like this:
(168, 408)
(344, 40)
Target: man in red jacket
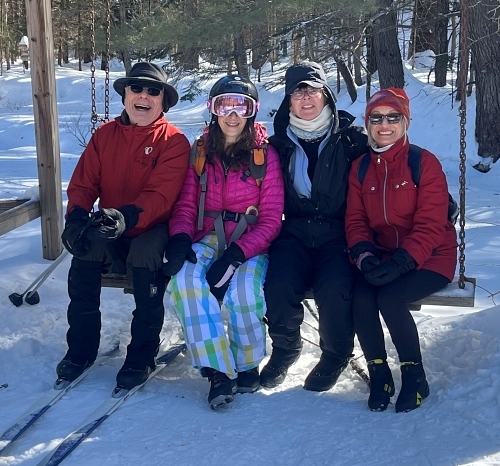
(135, 165)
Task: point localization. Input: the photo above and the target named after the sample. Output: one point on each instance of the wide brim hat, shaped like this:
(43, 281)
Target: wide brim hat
(145, 73)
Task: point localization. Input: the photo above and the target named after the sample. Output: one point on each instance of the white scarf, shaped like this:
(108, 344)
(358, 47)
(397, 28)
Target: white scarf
(320, 122)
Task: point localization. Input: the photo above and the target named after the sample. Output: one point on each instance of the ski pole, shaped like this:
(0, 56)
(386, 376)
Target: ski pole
(32, 296)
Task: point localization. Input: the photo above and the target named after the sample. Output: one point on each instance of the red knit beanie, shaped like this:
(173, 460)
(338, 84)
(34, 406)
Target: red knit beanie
(390, 97)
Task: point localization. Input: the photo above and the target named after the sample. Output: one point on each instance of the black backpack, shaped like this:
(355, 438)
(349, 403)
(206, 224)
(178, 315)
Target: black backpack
(414, 157)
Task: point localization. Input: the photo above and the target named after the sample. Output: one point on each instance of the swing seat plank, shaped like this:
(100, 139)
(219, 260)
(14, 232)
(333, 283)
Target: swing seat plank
(451, 295)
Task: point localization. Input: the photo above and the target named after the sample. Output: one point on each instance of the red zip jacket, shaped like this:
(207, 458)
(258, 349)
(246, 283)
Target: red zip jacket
(231, 192)
(128, 164)
(390, 212)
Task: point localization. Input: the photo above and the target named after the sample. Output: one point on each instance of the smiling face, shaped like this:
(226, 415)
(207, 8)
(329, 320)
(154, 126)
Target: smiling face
(308, 108)
(232, 126)
(143, 108)
(386, 133)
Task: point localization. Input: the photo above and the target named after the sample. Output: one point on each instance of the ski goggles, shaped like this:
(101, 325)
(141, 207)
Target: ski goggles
(225, 104)
(392, 118)
(152, 91)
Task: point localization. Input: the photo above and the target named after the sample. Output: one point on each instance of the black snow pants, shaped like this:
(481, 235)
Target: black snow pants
(295, 268)
(140, 258)
(391, 301)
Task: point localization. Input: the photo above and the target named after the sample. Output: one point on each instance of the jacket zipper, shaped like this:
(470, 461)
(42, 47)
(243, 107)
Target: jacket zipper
(384, 200)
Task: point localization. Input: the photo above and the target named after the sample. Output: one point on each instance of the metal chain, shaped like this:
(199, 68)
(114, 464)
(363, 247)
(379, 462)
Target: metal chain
(93, 115)
(463, 71)
(106, 80)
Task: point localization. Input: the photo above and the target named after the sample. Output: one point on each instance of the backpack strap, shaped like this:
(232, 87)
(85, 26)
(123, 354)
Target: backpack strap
(197, 159)
(198, 156)
(258, 163)
(243, 220)
(414, 156)
(363, 167)
(257, 170)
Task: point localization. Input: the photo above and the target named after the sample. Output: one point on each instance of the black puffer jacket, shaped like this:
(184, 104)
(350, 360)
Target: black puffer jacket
(319, 219)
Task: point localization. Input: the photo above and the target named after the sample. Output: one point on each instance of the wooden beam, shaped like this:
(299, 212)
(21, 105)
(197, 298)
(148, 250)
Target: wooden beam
(19, 213)
(450, 295)
(43, 83)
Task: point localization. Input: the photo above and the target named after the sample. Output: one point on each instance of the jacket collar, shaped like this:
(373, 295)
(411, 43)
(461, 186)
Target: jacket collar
(399, 149)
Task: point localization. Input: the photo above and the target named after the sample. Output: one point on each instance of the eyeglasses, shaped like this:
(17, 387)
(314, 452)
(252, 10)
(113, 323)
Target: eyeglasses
(392, 118)
(152, 91)
(225, 104)
(299, 94)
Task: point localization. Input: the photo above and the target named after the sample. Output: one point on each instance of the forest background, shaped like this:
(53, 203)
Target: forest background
(357, 38)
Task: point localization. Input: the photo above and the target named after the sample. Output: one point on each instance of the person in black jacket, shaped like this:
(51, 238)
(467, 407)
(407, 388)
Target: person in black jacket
(316, 144)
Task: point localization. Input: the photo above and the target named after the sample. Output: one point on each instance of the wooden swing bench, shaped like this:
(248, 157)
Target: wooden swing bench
(15, 213)
(451, 295)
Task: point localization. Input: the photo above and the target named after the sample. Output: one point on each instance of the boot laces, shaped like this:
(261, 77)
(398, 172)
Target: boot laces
(217, 378)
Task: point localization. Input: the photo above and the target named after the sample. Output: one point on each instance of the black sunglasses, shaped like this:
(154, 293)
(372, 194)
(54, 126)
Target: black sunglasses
(152, 91)
(392, 118)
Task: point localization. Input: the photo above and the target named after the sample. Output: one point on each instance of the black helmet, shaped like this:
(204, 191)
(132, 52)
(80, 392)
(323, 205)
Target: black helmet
(234, 84)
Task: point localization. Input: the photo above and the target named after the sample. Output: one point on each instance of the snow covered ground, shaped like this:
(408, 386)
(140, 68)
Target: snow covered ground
(169, 421)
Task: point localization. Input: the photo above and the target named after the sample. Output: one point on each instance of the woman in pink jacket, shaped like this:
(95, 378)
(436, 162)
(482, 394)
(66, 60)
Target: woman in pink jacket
(222, 255)
(401, 239)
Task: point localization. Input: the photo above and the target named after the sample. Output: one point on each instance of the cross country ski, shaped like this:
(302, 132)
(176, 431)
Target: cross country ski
(60, 388)
(102, 412)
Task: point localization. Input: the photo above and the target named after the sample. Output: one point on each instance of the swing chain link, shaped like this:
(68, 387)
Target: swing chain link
(93, 117)
(464, 66)
(106, 81)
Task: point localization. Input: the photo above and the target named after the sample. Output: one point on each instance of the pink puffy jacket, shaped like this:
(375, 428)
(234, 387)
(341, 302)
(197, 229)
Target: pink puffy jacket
(232, 193)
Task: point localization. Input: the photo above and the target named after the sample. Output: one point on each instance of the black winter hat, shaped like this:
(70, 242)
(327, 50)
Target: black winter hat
(306, 72)
(145, 73)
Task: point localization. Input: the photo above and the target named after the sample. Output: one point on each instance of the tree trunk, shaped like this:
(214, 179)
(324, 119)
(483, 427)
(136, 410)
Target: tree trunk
(348, 79)
(485, 47)
(125, 53)
(371, 58)
(422, 23)
(240, 56)
(127, 62)
(441, 47)
(358, 51)
(297, 45)
(386, 48)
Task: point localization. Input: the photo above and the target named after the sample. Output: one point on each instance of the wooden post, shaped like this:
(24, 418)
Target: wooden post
(43, 84)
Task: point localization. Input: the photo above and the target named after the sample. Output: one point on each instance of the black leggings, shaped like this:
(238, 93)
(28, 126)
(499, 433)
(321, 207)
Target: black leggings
(392, 301)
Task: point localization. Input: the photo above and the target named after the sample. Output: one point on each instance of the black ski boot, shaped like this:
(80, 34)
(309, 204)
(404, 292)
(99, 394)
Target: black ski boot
(381, 385)
(248, 381)
(287, 346)
(222, 388)
(129, 376)
(147, 323)
(69, 370)
(414, 387)
(275, 371)
(325, 374)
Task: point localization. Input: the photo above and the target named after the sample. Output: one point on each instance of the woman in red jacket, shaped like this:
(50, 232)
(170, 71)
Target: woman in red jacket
(242, 211)
(401, 239)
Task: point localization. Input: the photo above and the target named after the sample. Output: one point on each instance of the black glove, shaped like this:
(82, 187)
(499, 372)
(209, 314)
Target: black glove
(74, 235)
(221, 271)
(131, 214)
(369, 263)
(178, 250)
(362, 247)
(108, 225)
(400, 263)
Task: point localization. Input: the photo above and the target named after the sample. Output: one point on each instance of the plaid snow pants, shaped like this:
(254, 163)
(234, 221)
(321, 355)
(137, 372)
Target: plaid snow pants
(244, 345)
